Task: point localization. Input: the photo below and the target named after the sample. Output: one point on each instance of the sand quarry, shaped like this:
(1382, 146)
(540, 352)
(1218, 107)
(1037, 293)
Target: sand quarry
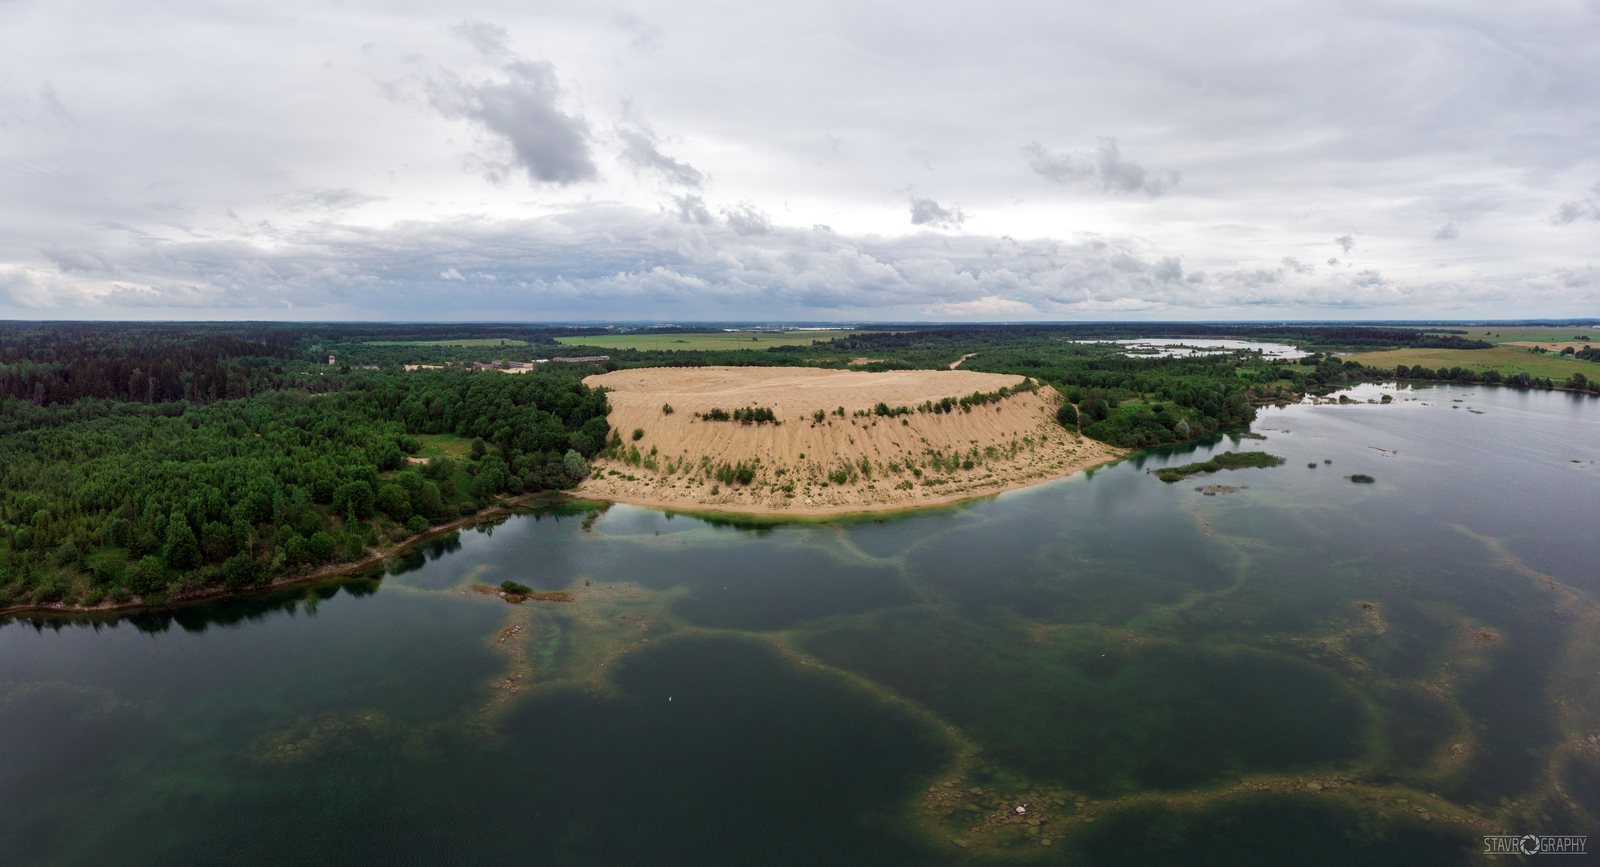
(920, 459)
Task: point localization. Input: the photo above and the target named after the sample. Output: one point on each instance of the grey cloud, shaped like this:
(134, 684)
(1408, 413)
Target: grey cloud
(692, 209)
(639, 149)
(491, 40)
(1104, 168)
(44, 108)
(927, 212)
(1168, 269)
(1572, 212)
(69, 259)
(521, 111)
(610, 261)
(325, 199)
(1447, 232)
(1298, 267)
(646, 36)
(1346, 243)
(746, 219)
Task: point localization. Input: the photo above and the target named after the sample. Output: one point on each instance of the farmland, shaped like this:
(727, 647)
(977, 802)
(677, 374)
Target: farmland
(1506, 359)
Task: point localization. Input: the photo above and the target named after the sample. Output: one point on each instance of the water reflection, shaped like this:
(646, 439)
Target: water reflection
(199, 616)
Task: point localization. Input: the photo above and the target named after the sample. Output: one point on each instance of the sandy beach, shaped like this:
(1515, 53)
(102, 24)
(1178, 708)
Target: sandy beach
(910, 461)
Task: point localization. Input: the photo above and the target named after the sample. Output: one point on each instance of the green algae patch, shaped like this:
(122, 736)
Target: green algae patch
(1224, 461)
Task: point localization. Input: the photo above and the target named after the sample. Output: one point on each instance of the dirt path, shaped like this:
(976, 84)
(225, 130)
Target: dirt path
(957, 363)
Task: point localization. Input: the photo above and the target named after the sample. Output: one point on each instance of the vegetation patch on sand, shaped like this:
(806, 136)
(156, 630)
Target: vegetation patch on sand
(515, 593)
(1224, 461)
(829, 441)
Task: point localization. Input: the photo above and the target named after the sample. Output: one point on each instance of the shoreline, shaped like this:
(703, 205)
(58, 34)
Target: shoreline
(507, 506)
(845, 510)
(504, 506)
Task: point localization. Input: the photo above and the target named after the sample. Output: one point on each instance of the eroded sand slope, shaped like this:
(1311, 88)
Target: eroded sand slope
(1012, 443)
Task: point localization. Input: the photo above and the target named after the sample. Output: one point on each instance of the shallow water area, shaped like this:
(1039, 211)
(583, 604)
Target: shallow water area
(1257, 666)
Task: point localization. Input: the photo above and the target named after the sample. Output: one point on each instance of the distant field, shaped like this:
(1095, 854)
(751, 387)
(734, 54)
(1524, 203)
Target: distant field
(1506, 359)
(491, 341)
(1514, 334)
(718, 340)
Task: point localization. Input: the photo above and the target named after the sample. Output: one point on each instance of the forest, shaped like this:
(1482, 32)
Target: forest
(153, 461)
(157, 492)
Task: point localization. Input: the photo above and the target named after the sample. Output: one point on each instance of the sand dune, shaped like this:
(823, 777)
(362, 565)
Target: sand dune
(1012, 443)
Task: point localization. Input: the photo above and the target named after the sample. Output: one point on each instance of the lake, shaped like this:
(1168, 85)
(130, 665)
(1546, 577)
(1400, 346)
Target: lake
(1259, 666)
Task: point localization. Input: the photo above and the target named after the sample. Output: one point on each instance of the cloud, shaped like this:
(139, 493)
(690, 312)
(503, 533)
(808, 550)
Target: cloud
(521, 112)
(69, 259)
(639, 150)
(746, 219)
(1346, 243)
(1307, 117)
(43, 109)
(1572, 212)
(988, 305)
(1104, 168)
(324, 199)
(1447, 232)
(491, 40)
(611, 261)
(692, 209)
(927, 212)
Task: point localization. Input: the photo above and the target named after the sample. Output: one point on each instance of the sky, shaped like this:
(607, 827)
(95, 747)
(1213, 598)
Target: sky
(818, 161)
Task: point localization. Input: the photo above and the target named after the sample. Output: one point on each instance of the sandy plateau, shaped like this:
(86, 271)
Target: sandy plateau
(920, 459)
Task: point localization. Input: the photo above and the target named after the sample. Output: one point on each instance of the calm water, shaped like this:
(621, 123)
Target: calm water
(1180, 668)
(1183, 348)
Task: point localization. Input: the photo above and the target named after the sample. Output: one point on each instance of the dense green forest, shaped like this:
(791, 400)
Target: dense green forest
(150, 461)
(107, 498)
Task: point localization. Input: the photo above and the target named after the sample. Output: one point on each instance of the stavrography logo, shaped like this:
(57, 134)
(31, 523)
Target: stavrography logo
(1531, 844)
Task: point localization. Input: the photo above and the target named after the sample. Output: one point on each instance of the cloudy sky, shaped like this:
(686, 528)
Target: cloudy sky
(825, 160)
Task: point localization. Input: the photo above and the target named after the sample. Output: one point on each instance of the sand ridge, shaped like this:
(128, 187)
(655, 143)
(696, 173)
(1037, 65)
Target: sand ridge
(912, 460)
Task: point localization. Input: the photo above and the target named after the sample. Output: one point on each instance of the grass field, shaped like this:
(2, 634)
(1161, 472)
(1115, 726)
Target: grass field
(1506, 359)
(1546, 336)
(713, 340)
(488, 341)
(446, 445)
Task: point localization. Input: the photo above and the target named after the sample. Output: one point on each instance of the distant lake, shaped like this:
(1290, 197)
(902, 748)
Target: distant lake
(1252, 667)
(1183, 347)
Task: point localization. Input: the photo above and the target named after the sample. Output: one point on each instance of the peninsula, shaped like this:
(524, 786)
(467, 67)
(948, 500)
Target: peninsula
(810, 441)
